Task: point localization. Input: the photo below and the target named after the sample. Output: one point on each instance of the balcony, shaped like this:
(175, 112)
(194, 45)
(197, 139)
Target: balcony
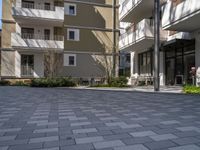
(34, 14)
(36, 41)
(135, 10)
(140, 38)
(179, 35)
(183, 17)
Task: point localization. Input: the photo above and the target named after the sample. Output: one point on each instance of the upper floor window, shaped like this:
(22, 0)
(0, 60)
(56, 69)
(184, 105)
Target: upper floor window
(70, 9)
(73, 34)
(28, 4)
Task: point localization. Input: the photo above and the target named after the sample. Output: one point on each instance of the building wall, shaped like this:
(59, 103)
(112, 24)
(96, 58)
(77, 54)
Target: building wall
(86, 67)
(8, 63)
(95, 36)
(8, 23)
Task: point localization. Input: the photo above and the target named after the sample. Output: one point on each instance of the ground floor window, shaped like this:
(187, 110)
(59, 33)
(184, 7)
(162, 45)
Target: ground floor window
(27, 65)
(178, 64)
(69, 59)
(145, 63)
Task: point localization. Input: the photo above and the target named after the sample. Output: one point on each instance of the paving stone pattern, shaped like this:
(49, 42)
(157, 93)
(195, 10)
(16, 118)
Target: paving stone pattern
(64, 119)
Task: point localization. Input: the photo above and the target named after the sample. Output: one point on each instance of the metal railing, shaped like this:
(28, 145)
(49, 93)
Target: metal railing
(42, 37)
(27, 70)
(36, 6)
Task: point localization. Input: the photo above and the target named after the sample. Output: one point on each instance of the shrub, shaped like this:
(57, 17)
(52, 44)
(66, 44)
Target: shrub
(20, 83)
(53, 82)
(115, 82)
(118, 82)
(4, 83)
(190, 89)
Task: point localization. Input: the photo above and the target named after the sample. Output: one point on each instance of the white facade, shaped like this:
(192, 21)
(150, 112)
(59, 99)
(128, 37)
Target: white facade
(38, 30)
(179, 31)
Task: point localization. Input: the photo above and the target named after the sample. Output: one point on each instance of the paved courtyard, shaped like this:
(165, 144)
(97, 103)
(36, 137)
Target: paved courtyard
(64, 119)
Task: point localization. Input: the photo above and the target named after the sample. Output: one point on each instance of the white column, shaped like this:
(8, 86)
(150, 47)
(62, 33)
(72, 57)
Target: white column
(162, 69)
(17, 64)
(38, 65)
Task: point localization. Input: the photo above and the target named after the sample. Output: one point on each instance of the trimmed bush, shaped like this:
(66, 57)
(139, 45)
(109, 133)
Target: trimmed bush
(20, 83)
(53, 82)
(118, 82)
(190, 89)
(4, 83)
(115, 82)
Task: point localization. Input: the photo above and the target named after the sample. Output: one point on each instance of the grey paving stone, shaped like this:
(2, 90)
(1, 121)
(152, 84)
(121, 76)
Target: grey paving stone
(80, 124)
(46, 130)
(89, 140)
(186, 147)
(6, 138)
(161, 145)
(108, 144)
(186, 141)
(132, 147)
(143, 133)
(44, 139)
(163, 137)
(79, 131)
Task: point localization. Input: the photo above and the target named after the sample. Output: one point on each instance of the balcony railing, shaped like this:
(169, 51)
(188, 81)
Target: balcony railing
(135, 33)
(28, 10)
(172, 15)
(143, 30)
(42, 37)
(27, 70)
(37, 41)
(127, 5)
(34, 6)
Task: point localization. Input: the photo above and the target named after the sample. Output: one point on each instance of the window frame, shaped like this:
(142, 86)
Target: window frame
(67, 60)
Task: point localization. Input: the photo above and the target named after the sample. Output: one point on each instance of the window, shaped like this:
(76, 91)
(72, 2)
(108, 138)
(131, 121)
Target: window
(27, 65)
(27, 33)
(28, 4)
(47, 6)
(47, 34)
(70, 9)
(69, 59)
(145, 63)
(73, 34)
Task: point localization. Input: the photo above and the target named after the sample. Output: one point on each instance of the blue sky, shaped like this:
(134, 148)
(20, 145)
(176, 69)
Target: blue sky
(0, 12)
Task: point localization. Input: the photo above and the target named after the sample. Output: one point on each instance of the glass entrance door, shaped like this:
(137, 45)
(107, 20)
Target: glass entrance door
(170, 71)
(178, 64)
(27, 65)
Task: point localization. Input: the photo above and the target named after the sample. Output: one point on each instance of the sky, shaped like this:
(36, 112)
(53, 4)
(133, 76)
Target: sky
(0, 12)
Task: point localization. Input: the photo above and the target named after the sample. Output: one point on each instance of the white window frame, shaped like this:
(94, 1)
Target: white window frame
(66, 60)
(76, 34)
(67, 10)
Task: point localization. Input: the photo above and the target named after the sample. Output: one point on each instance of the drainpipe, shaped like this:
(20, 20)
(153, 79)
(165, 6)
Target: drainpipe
(156, 45)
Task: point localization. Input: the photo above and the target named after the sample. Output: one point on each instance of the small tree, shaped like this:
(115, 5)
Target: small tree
(52, 63)
(105, 60)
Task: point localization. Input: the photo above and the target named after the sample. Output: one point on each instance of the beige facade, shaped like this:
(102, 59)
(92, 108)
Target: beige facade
(68, 38)
(93, 23)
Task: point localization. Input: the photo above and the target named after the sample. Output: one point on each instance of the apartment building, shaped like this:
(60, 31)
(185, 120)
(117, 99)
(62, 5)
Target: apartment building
(91, 38)
(179, 50)
(30, 29)
(58, 38)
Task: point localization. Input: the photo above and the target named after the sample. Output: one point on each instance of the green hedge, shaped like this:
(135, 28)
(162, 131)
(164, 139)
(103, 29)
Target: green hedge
(4, 83)
(115, 82)
(189, 89)
(53, 82)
